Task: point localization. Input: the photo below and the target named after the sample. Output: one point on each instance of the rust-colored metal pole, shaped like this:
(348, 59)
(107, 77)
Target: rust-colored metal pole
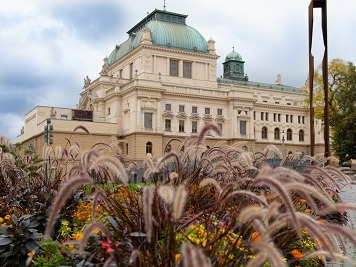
(311, 78)
(319, 4)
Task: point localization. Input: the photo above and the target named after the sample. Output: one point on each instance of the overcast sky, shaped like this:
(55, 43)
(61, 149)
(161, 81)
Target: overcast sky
(48, 47)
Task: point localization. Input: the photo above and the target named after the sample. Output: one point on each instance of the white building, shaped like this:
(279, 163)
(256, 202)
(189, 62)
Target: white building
(161, 83)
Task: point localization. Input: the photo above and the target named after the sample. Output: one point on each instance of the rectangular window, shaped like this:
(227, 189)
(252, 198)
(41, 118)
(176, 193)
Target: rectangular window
(194, 109)
(181, 126)
(207, 110)
(279, 117)
(109, 111)
(262, 116)
(298, 119)
(219, 111)
(274, 116)
(173, 70)
(254, 115)
(243, 127)
(148, 120)
(181, 108)
(266, 116)
(194, 126)
(64, 117)
(131, 70)
(291, 118)
(187, 69)
(303, 119)
(167, 125)
(120, 74)
(287, 118)
(168, 107)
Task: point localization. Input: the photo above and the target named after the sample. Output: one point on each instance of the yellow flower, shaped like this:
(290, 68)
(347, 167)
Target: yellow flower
(96, 231)
(7, 217)
(77, 236)
(31, 253)
(1, 220)
(71, 246)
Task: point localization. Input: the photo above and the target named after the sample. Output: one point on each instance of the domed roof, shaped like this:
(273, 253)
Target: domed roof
(167, 30)
(233, 56)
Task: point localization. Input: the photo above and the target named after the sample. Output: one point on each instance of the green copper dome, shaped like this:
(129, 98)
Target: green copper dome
(167, 30)
(233, 56)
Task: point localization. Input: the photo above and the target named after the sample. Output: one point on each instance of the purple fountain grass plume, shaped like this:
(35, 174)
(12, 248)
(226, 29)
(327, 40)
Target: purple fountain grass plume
(100, 144)
(166, 192)
(315, 170)
(210, 181)
(272, 252)
(336, 207)
(193, 256)
(323, 254)
(315, 230)
(167, 157)
(147, 199)
(270, 148)
(342, 231)
(250, 213)
(205, 130)
(258, 260)
(87, 158)
(135, 254)
(109, 261)
(80, 127)
(314, 181)
(284, 194)
(7, 143)
(304, 188)
(180, 199)
(111, 163)
(74, 151)
(61, 198)
(150, 166)
(249, 195)
(89, 229)
(75, 170)
(98, 194)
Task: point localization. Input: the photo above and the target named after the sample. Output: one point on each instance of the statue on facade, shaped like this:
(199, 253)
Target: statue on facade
(86, 81)
(53, 113)
(279, 79)
(105, 68)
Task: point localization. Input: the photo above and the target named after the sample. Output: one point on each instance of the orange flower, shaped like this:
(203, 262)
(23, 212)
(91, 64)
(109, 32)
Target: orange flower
(296, 254)
(177, 257)
(255, 236)
(302, 200)
(31, 253)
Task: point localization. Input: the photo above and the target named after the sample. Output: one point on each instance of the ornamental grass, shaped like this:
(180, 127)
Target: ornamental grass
(200, 206)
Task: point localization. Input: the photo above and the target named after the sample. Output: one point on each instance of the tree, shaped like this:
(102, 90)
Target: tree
(342, 105)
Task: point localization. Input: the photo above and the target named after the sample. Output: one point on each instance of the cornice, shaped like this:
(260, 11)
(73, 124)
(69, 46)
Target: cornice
(285, 107)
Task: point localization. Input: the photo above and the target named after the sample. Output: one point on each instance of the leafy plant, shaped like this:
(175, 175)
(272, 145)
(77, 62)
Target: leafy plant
(18, 238)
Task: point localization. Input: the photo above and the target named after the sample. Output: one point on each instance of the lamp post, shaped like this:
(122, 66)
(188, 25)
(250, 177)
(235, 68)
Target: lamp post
(283, 140)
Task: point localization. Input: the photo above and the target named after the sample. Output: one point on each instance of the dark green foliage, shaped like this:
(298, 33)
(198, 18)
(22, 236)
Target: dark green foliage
(17, 239)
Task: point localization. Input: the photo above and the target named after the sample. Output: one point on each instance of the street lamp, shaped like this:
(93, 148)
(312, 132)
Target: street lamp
(283, 140)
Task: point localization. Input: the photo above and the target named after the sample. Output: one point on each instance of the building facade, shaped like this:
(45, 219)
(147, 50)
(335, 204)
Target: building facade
(161, 84)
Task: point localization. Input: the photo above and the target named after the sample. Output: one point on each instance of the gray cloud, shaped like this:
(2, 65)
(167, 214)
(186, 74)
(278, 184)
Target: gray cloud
(47, 47)
(93, 21)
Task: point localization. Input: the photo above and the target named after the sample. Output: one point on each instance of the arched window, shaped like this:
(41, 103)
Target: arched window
(289, 134)
(301, 136)
(276, 134)
(148, 147)
(264, 132)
